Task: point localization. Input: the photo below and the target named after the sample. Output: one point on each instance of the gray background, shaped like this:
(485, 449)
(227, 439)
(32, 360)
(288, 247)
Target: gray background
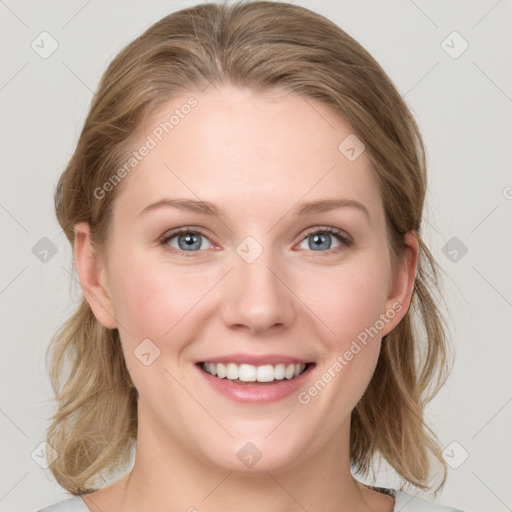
(463, 105)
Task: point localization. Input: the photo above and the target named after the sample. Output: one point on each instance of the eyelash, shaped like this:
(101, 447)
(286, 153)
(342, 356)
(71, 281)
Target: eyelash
(345, 240)
(341, 236)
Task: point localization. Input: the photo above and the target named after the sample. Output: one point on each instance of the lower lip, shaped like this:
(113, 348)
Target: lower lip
(255, 392)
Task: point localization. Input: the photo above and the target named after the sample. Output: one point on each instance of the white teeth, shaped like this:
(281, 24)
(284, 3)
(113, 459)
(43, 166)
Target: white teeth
(265, 373)
(290, 370)
(247, 372)
(251, 373)
(221, 371)
(231, 371)
(279, 371)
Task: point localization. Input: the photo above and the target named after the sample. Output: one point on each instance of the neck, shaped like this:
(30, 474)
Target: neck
(166, 476)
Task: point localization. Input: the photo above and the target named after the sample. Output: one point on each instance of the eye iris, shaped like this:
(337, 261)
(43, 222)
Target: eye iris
(187, 241)
(191, 241)
(321, 241)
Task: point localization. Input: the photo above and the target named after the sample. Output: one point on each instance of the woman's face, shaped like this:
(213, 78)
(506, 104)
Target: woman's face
(281, 266)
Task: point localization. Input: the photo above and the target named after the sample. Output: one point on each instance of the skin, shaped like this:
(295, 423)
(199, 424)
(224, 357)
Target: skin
(256, 156)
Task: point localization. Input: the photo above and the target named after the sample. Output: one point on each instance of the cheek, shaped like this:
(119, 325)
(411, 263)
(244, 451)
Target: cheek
(156, 307)
(151, 299)
(348, 301)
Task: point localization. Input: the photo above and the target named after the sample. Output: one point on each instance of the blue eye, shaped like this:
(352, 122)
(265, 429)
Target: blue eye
(321, 240)
(186, 240)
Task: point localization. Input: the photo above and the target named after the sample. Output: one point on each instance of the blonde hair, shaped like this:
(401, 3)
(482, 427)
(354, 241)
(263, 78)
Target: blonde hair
(258, 45)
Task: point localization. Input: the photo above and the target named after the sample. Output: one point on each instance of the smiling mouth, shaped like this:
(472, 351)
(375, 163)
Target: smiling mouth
(248, 373)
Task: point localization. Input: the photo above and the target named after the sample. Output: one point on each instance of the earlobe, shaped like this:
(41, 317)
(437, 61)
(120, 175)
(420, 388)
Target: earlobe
(400, 293)
(92, 275)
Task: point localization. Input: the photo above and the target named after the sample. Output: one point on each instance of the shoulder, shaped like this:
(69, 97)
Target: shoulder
(409, 503)
(75, 504)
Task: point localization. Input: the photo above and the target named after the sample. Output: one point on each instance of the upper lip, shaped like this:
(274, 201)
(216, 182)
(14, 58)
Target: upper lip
(255, 359)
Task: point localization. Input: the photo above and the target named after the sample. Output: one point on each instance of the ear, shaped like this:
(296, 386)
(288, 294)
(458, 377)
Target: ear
(401, 288)
(93, 276)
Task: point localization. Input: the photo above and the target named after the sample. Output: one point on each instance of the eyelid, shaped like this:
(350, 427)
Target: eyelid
(177, 231)
(168, 235)
(345, 241)
(343, 237)
(331, 230)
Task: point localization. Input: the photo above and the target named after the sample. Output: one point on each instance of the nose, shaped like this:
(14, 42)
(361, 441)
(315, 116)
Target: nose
(257, 297)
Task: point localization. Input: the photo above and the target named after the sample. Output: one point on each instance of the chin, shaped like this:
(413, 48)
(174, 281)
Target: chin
(258, 453)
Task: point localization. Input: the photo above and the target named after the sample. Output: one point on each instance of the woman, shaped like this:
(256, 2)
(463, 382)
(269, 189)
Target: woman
(245, 205)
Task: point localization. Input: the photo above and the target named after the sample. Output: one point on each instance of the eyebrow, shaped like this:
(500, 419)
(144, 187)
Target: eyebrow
(207, 208)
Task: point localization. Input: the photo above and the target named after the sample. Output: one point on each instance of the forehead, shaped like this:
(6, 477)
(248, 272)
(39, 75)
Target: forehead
(273, 145)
